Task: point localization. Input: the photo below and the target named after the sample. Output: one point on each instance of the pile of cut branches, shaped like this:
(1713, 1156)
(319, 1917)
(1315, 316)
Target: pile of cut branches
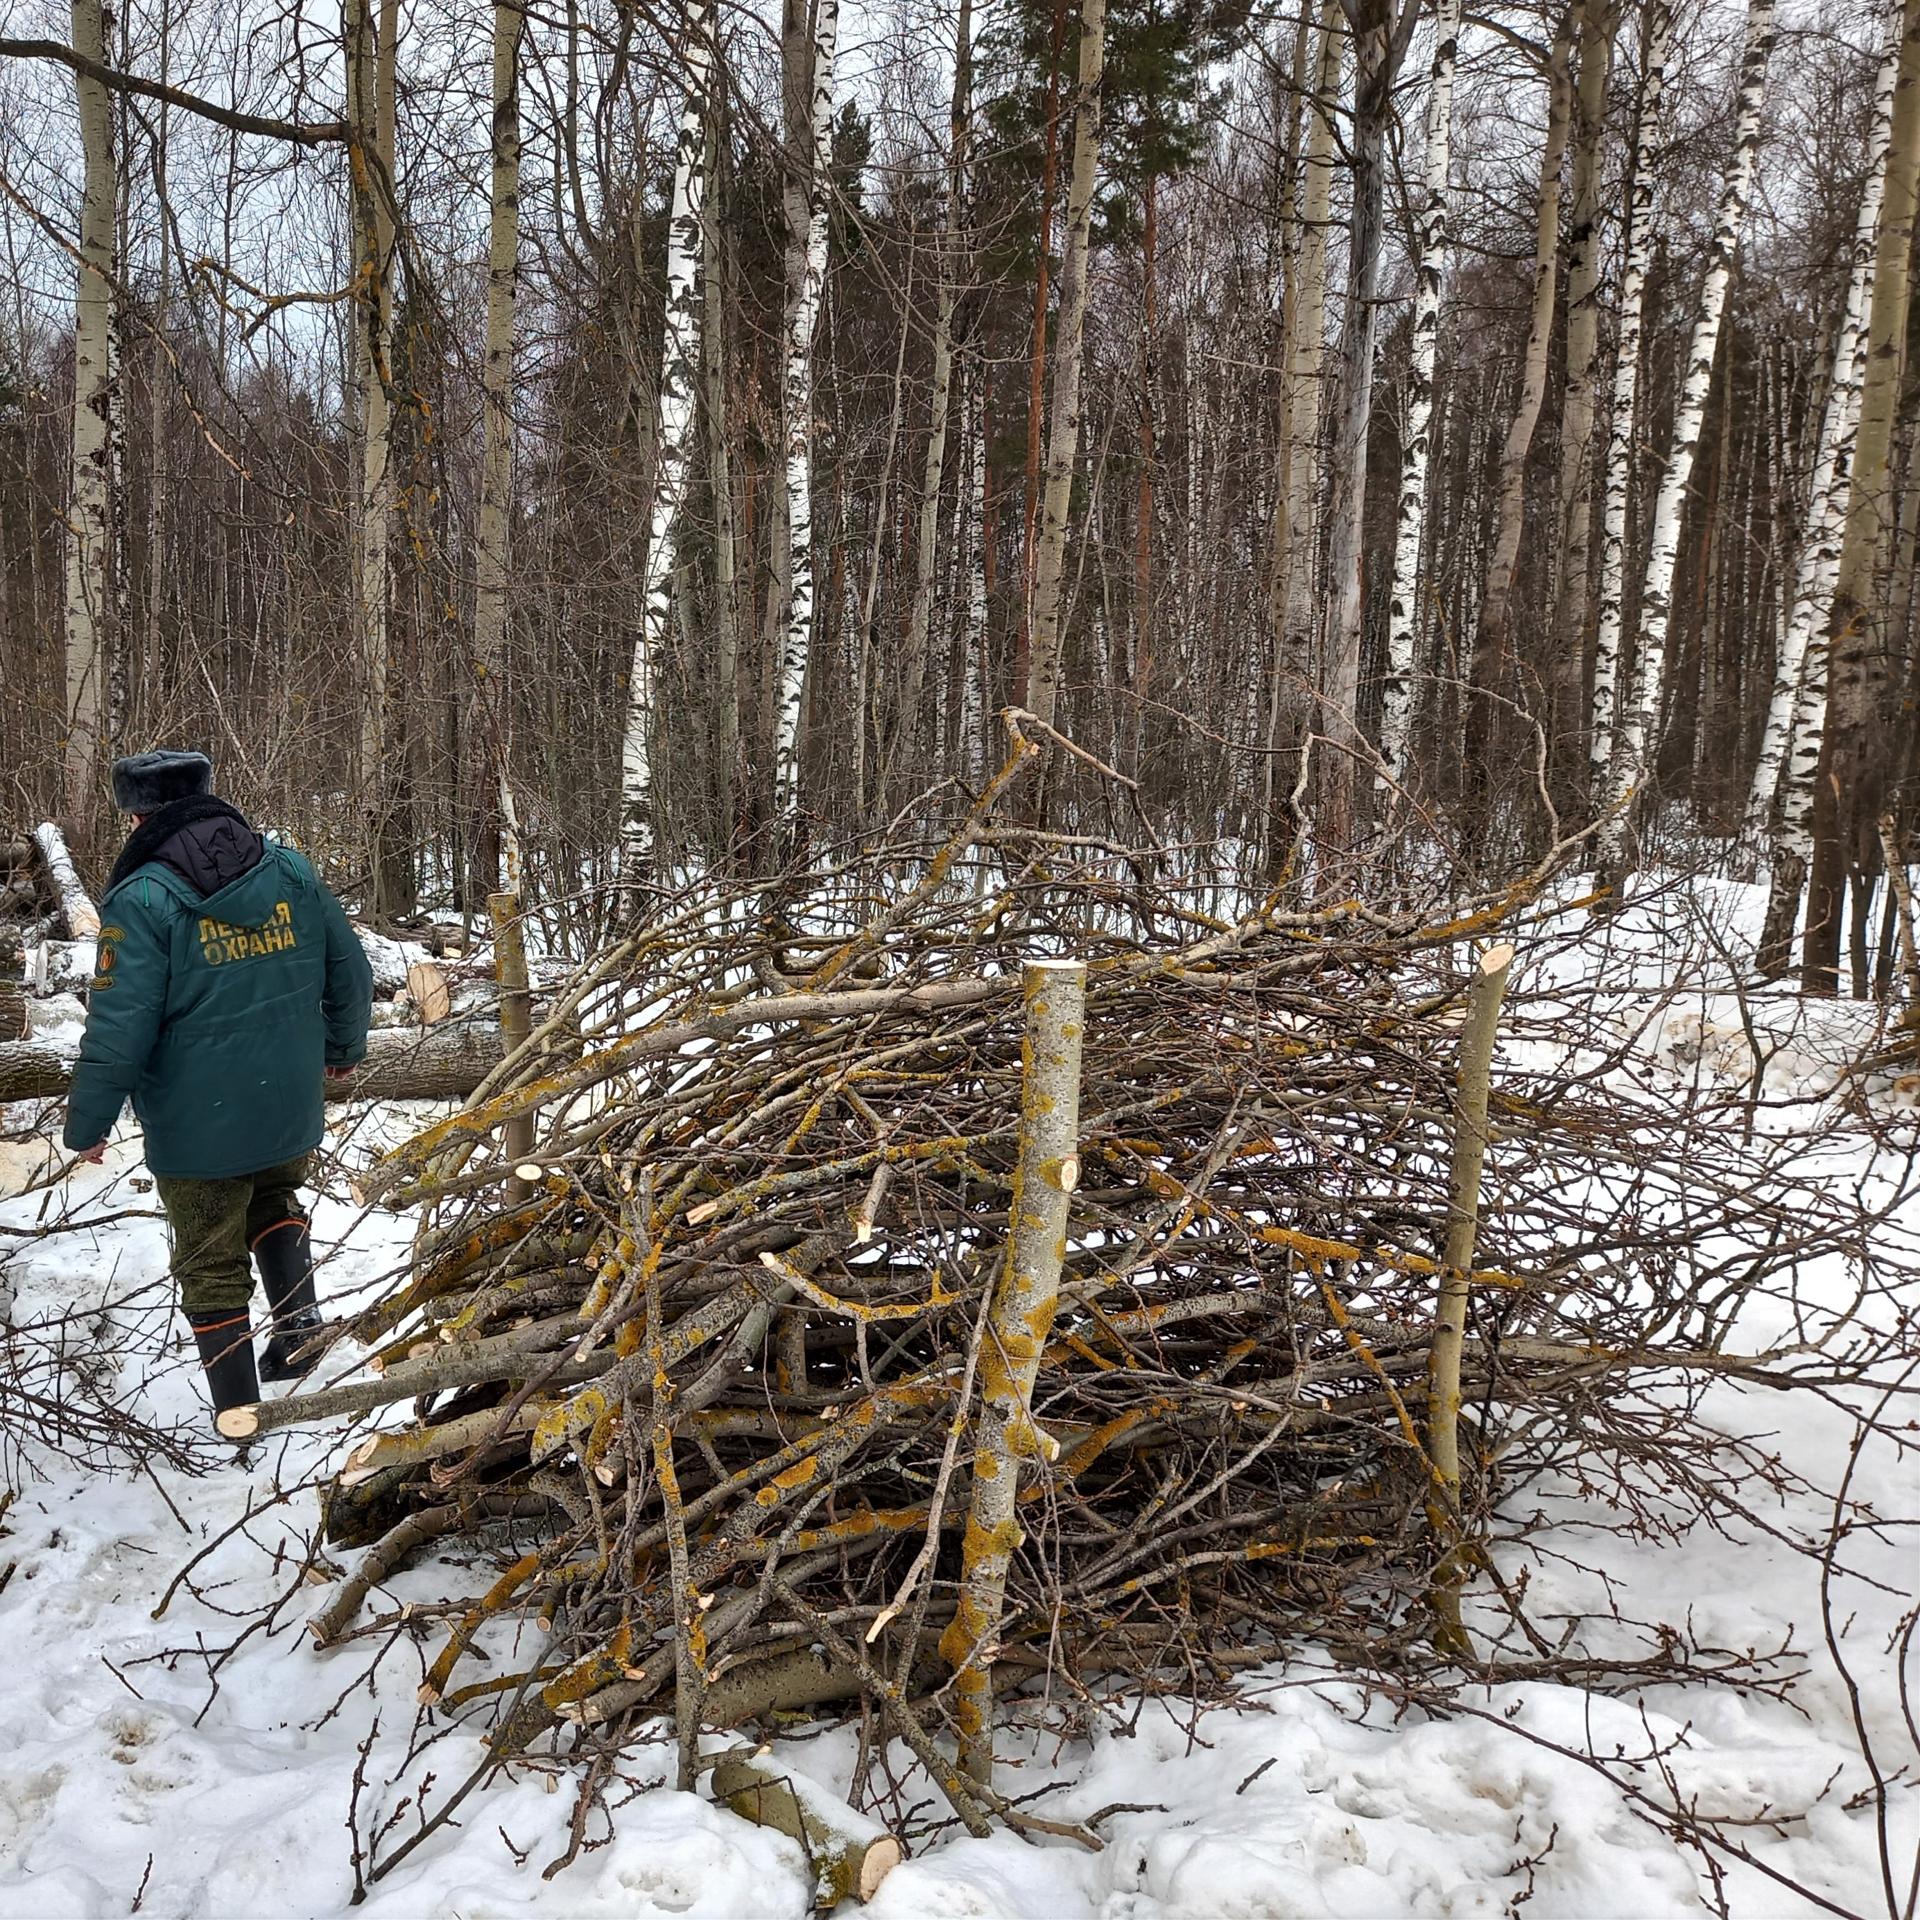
(826, 1302)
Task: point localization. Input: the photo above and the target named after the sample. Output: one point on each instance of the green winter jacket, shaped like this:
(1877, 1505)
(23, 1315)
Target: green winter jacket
(217, 1016)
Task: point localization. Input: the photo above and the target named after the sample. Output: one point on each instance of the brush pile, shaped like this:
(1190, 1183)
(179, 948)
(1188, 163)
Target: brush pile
(714, 1335)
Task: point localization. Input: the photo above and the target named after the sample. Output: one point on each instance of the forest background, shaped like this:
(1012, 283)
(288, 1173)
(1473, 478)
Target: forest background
(608, 435)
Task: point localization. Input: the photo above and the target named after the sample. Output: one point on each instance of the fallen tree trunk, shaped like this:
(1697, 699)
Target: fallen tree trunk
(401, 1064)
(83, 917)
(849, 1852)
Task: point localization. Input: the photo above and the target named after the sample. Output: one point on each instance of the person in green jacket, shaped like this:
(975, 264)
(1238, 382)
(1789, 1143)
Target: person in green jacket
(227, 987)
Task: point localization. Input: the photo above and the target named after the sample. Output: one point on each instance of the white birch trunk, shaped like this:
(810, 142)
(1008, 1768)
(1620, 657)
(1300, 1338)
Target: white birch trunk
(679, 372)
(494, 519)
(973, 695)
(1626, 392)
(1043, 656)
(807, 226)
(89, 586)
(1379, 32)
(1572, 586)
(1431, 240)
(1630, 764)
(1796, 713)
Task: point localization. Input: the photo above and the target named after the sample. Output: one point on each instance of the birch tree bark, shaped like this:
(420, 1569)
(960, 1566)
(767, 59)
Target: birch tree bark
(1380, 38)
(809, 119)
(1851, 795)
(1044, 649)
(1657, 37)
(1293, 605)
(679, 372)
(89, 585)
(1487, 678)
(1572, 598)
(975, 694)
(1790, 747)
(1632, 749)
(498, 851)
(1430, 227)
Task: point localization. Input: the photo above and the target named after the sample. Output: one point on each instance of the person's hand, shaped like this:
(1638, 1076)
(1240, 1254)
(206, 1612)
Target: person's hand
(93, 1156)
(340, 1073)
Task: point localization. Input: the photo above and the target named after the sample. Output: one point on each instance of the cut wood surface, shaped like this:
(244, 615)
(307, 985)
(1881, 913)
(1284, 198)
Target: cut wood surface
(850, 1854)
(428, 987)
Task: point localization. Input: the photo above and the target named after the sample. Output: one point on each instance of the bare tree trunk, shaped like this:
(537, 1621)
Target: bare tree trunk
(934, 467)
(1573, 588)
(1142, 606)
(809, 122)
(1293, 606)
(1044, 651)
(726, 611)
(1025, 1299)
(497, 850)
(1472, 1087)
(1626, 395)
(370, 58)
(1379, 45)
(89, 512)
(1488, 675)
(1410, 520)
(159, 447)
(1796, 714)
(679, 370)
(1851, 792)
(1037, 358)
(1633, 748)
(976, 687)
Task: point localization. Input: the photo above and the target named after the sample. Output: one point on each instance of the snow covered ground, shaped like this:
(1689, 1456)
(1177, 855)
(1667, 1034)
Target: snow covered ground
(200, 1764)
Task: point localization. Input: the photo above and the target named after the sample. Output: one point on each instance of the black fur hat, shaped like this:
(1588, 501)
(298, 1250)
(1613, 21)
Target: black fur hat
(146, 782)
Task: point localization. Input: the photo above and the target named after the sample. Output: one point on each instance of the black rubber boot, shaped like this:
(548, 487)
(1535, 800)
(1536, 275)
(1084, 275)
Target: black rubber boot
(225, 1341)
(284, 1255)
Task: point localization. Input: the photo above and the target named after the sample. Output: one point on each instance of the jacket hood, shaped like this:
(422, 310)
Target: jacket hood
(207, 842)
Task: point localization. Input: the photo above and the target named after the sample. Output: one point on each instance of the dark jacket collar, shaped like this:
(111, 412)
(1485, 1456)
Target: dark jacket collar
(149, 840)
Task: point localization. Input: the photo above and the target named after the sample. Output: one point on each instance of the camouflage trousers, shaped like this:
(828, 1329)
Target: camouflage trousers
(215, 1225)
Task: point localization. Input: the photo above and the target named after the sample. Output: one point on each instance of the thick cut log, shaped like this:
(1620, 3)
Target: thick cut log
(13, 1011)
(401, 1064)
(510, 1356)
(850, 1853)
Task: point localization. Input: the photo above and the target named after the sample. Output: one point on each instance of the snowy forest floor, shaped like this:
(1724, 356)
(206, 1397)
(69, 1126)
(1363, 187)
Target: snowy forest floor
(200, 1764)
